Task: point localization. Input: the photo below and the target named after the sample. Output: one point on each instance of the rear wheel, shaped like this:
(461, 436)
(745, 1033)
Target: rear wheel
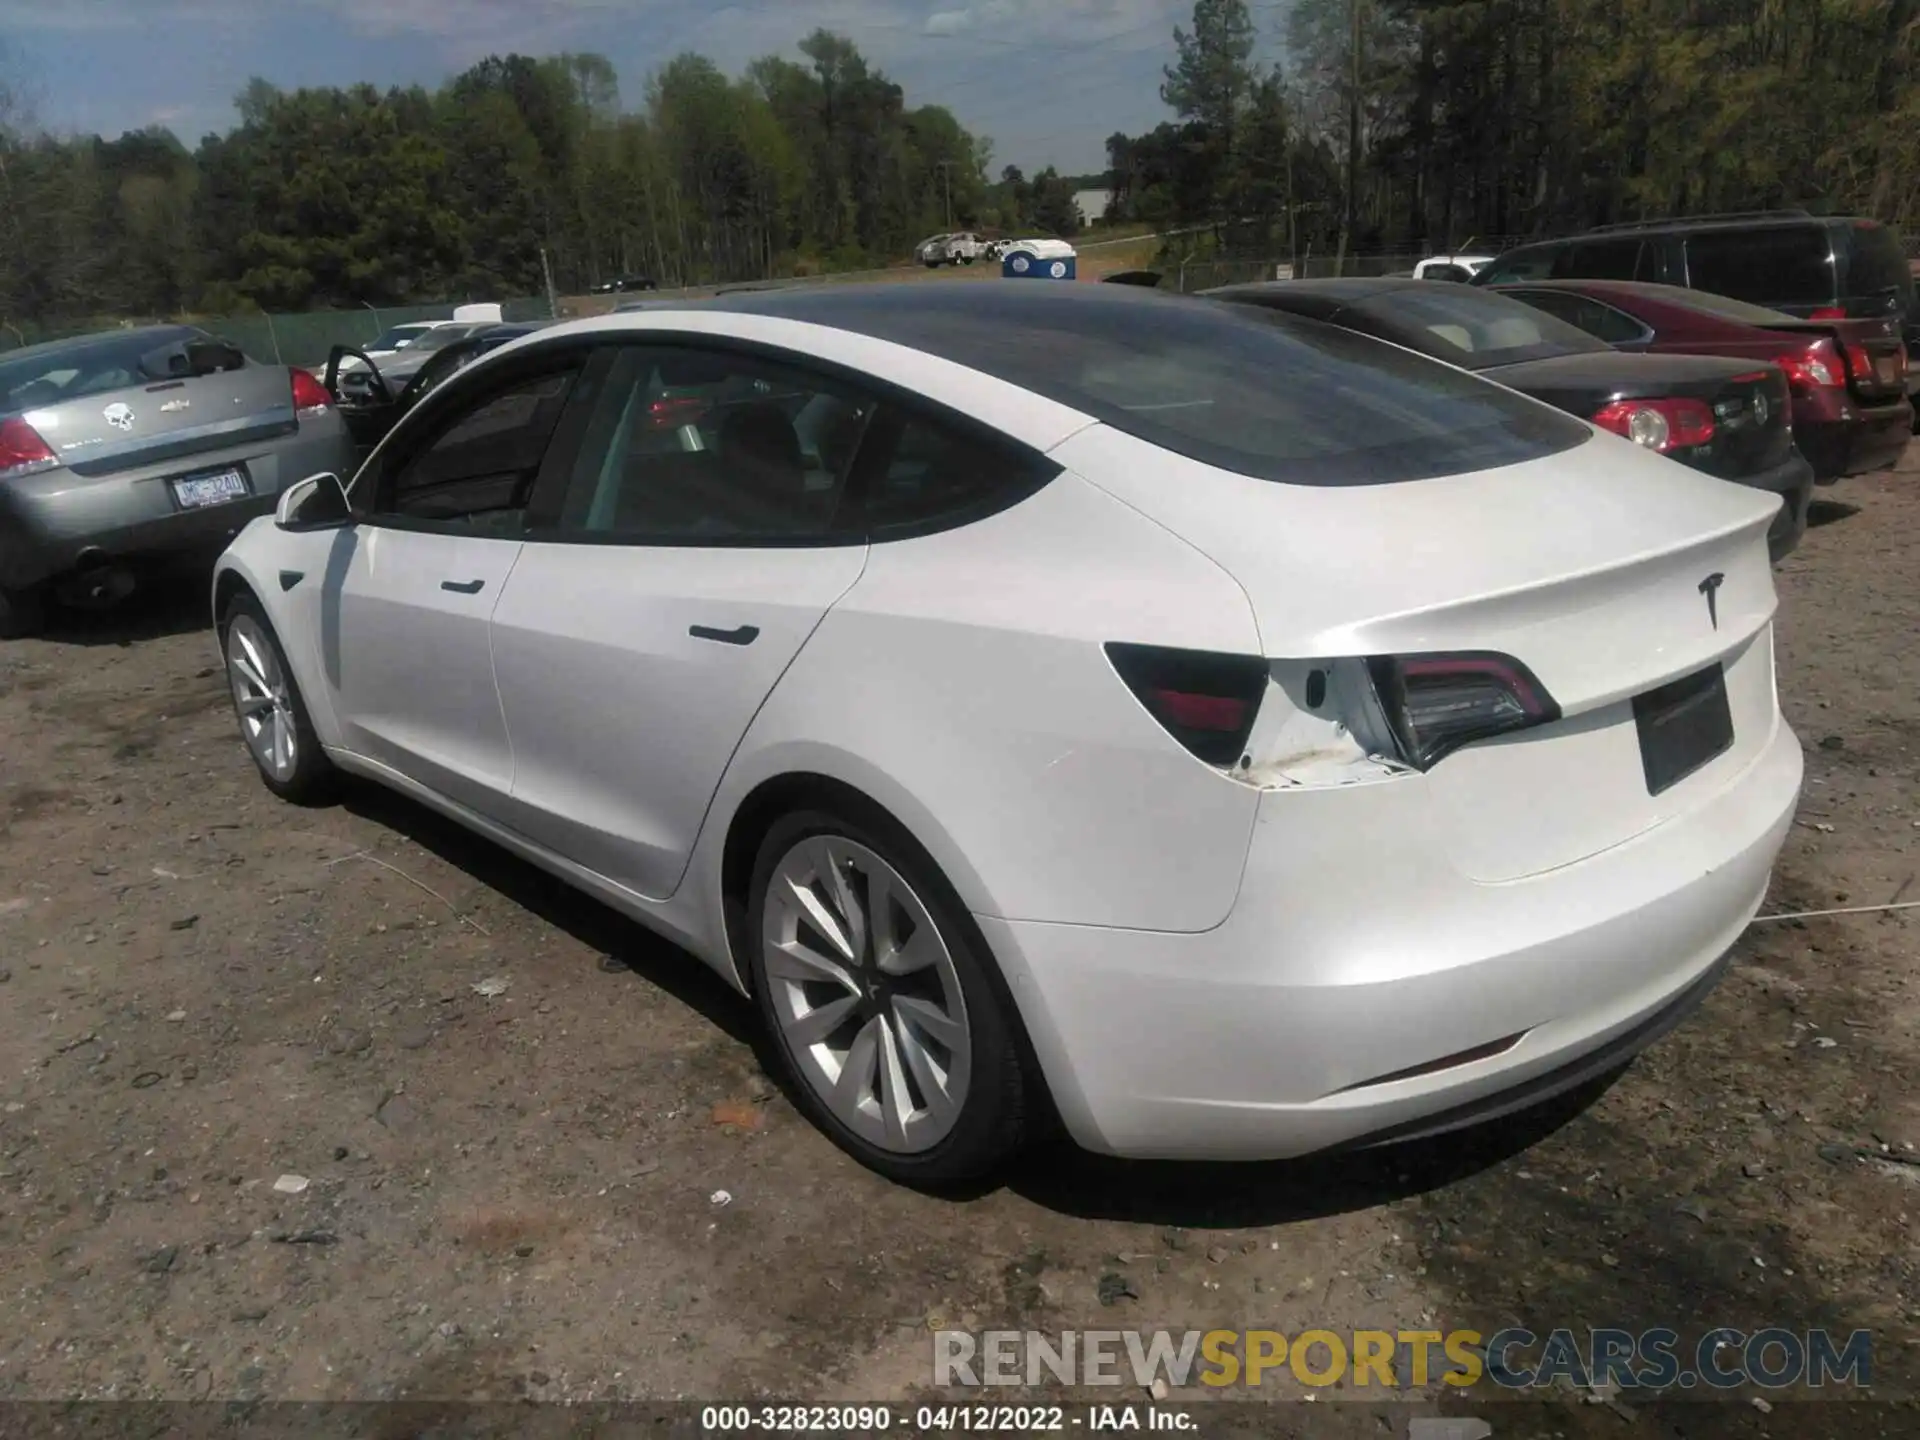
(23, 613)
(879, 1000)
(272, 713)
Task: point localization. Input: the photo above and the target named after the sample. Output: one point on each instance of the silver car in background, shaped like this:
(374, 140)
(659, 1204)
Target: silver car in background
(123, 448)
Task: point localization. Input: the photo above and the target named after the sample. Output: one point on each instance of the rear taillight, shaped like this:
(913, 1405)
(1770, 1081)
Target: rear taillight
(1816, 367)
(310, 397)
(1206, 701)
(1829, 312)
(1663, 425)
(22, 451)
(1434, 704)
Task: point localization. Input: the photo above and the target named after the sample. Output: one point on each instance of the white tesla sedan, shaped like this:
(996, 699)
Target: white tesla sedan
(1235, 736)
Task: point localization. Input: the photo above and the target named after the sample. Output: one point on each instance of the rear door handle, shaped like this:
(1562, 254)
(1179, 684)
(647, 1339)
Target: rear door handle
(743, 635)
(463, 587)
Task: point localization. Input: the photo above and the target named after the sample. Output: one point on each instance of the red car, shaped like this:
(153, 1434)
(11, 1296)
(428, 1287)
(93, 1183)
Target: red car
(1848, 378)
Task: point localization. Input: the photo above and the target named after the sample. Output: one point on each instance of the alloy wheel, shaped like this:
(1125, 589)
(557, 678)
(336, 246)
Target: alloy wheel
(263, 698)
(865, 993)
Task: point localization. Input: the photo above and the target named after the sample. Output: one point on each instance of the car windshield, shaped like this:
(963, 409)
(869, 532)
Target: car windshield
(1471, 328)
(1232, 386)
(399, 337)
(51, 374)
(441, 336)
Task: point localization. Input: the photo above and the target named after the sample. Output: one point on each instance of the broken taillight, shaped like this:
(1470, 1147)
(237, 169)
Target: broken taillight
(1205, 700)
(1434, 704)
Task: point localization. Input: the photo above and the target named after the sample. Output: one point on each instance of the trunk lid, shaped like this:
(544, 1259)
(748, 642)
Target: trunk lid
(1753, 425)
(1607, 571)
(152, 420)
(1875, 352)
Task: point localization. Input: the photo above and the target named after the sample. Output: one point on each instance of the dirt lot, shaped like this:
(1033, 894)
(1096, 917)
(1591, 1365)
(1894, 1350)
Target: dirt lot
(202, 990)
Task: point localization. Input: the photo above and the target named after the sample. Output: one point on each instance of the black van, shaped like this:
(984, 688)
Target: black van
(1815, 267)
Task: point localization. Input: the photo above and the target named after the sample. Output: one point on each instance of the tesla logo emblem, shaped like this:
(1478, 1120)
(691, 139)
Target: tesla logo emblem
(119, 416)
(1710, 587)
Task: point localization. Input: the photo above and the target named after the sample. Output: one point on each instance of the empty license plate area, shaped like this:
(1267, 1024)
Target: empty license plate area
(1682, 726)
(210, 487)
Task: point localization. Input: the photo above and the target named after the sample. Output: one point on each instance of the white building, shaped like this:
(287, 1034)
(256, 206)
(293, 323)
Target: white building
(1092, 205)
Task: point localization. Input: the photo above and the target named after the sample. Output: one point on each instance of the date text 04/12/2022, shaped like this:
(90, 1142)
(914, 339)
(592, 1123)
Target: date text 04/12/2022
(944, 1419)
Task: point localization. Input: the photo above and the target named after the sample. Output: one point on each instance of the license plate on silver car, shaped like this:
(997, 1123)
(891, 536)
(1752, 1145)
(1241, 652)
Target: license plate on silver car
(1889, 369)
(191, 492)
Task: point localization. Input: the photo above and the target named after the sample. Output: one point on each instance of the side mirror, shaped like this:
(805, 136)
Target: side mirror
(318, 502)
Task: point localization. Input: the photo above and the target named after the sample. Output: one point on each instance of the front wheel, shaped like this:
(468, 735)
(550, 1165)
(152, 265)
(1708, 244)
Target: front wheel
(877, 993)
(272, 713)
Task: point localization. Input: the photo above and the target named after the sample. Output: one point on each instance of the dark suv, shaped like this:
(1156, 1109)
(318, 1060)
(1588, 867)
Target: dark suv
(1815, 267)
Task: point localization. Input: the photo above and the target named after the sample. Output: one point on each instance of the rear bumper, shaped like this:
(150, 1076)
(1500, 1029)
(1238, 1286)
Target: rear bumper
(51, 524)
(1871, 439)
(1356, 953)
(1792, 480)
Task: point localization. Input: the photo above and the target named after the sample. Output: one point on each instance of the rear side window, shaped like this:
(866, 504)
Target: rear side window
(1603, 322)
(929, 474)
(1876, 263)
(1471, 328)
(1602, 260)
(1534, 262)
(1776, 265)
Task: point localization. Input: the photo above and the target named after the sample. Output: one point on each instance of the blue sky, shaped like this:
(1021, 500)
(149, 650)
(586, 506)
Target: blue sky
(1048, 80)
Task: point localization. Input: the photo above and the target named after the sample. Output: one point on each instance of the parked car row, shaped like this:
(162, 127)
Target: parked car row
(1211, 724)
(960, 248)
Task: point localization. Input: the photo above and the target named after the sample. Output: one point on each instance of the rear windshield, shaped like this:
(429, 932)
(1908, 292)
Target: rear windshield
(1472, 328)
(1876, 262)
(1229, 385)
(1776, 265)
(398, 336)
(53, 374)
(1533, 262)
(1722, 306)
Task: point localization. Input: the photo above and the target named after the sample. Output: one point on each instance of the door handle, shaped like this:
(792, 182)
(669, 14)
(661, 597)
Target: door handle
(463, 587)
(744, 635)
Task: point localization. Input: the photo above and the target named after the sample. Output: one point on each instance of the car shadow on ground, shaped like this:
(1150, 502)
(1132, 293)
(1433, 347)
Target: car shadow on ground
(1055, 1173)
(623, 945)
(172, 604)
(1201, 1196)
(1825, 512)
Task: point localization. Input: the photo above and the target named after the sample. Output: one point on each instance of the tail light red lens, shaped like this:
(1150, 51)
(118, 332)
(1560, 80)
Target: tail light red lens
(1434, 704)
(1828, 312)
(1817, 367)
(1663, 425)
(1205, 700)
(310, 397)
(22, 451)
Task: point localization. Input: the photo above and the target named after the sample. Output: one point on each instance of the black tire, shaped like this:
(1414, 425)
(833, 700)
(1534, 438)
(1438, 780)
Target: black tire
(994, 1121)
(23, 614)
(313, 780)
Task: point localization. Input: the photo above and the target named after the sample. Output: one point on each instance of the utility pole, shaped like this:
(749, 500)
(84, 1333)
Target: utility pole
(945, 167)
(1349, 220)
(553, 300)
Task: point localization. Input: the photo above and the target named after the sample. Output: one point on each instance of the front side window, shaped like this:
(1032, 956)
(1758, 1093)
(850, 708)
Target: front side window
(477, 471)
(1774, 265)
(694, 446)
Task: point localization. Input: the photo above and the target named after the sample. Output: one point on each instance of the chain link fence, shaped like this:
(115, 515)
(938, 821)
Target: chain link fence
(1190, 276)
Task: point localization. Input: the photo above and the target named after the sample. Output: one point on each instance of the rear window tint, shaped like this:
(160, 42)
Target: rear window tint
(1779, 265)
(1533, 263)
(1724, 307)
(52, 374)
(1472, 328)
(1876, 263)
(1228, 384)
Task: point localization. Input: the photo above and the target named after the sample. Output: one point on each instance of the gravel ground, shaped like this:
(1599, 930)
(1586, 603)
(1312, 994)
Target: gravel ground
(513, 1195)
